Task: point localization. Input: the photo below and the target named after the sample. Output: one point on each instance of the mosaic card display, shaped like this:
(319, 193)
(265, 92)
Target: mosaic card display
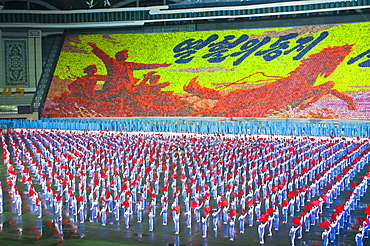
(295, 72)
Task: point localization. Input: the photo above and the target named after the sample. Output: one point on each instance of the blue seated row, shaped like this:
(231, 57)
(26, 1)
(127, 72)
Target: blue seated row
(201, 126)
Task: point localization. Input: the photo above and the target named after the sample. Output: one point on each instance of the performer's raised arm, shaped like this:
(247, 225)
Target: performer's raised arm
(100, 53)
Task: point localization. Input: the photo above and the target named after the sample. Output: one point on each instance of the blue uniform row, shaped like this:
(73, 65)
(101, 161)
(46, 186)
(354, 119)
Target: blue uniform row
(202, 126)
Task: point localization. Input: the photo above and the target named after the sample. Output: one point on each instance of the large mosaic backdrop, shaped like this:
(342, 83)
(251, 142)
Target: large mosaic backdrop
(295, 72)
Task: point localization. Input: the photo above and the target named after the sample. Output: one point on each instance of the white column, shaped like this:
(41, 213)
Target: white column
(31, 63)
(34, 57)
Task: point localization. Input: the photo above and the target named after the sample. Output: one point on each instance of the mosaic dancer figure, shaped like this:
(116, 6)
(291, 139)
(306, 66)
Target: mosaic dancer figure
(250, 215)
(276, 218)
(95, 210)
(204, 226)
(140, 209)
(258, 209)
(365, 225)
(269, 225)
(325, 237)
(18, 203)
(38, 208)
(188, 218)
(284, 212)
(197, 211)
(103, 214)
(307, 221)
(242, 222)
(81, 212)
(127, 215)
(291, 207)
(299, 231)
(59, 210)
(151, 220)
(332, 231)
(164, 214)
(176, 221)
(232, 229)
(292, 234)
(215, 215)
(261, 232)
(225, 215)
(359, 239)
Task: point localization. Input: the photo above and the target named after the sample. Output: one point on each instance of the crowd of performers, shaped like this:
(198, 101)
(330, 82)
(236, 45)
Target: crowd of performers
(241, 181)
